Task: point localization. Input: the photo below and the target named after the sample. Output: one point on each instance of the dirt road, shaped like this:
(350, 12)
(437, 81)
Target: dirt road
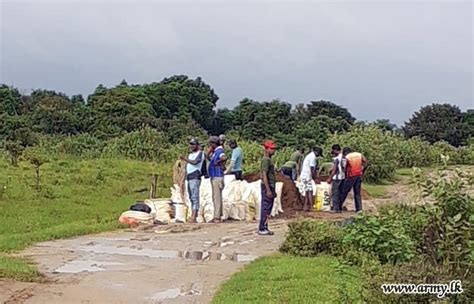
(178, 264)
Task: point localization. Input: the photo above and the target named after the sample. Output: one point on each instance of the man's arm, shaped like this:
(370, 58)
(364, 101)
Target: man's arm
(191, 161)
(365, 163)
(335, 169)
(232, 162)
(264, 175)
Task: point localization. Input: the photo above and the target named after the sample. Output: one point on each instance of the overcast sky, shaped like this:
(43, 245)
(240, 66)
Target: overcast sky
(380, 59)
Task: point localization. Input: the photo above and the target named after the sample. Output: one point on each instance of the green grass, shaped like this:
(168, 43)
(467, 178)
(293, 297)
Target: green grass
(287, 279)
(20, 269)
(76, 197)
(376, 190)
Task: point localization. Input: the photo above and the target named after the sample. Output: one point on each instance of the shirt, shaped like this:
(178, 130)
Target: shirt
(290, 164)
(267, 168)
(194, 171)
(340, 163)
(237, 157)
(216, 170)
(297, 157)
(354, 164)
(308, 162)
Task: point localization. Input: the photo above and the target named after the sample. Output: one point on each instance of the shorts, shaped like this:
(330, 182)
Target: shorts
(307, 185)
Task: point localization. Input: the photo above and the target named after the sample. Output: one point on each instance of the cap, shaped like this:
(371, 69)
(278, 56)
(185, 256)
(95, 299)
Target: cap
(269, 144)
(222, 137)
(214, 140)
(193, 141)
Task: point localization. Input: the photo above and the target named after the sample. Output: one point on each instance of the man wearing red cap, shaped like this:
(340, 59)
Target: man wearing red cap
(267, 171)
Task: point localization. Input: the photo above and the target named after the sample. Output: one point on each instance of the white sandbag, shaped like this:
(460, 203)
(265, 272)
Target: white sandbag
(133, 218)
(180, 213)
(277, 207)
(160, 209)
(323, 197)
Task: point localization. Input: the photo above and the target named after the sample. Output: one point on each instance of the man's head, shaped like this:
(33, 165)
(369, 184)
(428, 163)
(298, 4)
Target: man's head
(317, 151)
(336, 150)
(193, 144)
(213, 142)
(232, 143)
(222, 139)
(270, 147)
(346, 151)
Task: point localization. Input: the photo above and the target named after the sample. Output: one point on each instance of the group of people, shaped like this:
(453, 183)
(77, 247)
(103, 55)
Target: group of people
(213, 164)
(346, 174)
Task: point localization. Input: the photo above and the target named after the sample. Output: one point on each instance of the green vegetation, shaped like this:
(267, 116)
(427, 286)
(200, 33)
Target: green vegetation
(76, 197)
(19, 269)
(417, 244)
(287, 279)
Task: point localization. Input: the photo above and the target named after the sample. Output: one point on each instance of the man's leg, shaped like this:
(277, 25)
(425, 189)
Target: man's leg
(357, 193)
(336, 197)
(221, 188)
(193, 188)
(216, 198)
(265, 210)
(346, 187)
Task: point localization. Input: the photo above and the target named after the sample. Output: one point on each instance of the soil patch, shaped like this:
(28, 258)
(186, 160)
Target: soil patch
(292, 200)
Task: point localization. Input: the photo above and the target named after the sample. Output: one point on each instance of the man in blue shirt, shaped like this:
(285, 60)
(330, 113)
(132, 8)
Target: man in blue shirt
(193, 175)
(217, 161)
(235, 166)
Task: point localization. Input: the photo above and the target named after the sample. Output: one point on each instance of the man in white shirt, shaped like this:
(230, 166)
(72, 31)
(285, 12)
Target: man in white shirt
(309, 172)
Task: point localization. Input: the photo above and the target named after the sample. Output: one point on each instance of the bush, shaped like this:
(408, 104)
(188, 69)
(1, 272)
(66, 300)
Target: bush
(378, 146)
(383, 236)
(309, 238)
(83, 145)
(146, 144)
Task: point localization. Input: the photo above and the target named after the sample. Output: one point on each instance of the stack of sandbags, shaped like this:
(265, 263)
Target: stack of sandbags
(240, 200)
(160, 209)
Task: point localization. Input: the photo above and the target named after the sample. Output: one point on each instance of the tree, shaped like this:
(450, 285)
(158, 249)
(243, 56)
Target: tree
(223, 121)
(438, 122)
(329, 109)
(385, 125)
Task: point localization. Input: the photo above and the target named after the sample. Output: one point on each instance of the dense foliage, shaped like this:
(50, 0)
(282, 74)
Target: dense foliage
(153, 121)
(430, 243)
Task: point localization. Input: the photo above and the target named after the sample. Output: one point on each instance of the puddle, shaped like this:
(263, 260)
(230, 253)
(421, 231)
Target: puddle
(169, 254)
(167, 294)
(81, 266)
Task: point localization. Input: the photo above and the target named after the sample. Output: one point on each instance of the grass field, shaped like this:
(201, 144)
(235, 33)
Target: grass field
(288, 279)
(76, 197)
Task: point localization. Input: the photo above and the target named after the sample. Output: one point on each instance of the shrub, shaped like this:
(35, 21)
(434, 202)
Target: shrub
(310, 238)
(382, 236)
(83, 145)
(378, 146)
(145, 144)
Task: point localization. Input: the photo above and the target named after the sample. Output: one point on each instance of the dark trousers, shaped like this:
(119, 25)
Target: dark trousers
(238, 175)
(337, 194)
(354, 183)
(265, 208)
(288, 172)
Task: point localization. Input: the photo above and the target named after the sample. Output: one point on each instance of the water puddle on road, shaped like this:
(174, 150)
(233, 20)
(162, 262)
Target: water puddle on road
(166, 294)
(170, 254)
(86, 266)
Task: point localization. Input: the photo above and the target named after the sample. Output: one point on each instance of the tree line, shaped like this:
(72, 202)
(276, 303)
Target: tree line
(179, 107)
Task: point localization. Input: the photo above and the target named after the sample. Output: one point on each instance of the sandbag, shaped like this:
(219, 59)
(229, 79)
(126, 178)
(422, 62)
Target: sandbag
(322, 200)
(135, 218)
(160, 209)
